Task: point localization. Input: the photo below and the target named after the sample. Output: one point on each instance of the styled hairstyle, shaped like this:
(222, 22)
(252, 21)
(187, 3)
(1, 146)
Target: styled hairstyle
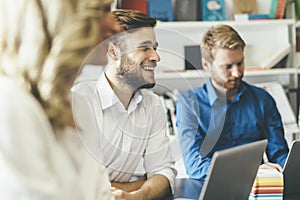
(129, 21)
(133, 19)
(42, 45)
(221, 36)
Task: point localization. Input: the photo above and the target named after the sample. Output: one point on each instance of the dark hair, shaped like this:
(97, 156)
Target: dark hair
(133, 19)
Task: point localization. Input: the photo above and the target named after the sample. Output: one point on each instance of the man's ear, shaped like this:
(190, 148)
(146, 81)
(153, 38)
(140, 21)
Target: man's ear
(205, 64)
(113, 52)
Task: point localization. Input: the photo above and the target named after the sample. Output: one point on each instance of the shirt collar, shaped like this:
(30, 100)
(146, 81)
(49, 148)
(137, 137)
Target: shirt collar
(106, 93)
(108, 97)
(240, 92)
(213, 96)
(137, 98)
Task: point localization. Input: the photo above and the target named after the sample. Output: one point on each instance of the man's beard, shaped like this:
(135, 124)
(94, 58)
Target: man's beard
(131, 77)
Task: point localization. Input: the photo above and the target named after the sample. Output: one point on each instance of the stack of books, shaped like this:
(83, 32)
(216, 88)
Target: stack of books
(268, 185)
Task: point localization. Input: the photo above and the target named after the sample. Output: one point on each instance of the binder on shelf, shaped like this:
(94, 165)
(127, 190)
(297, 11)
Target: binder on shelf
(277, 9)
(192, 57)
(245, 7)
(169, 107)
(171, 115)
(297, 41)
(161, 10)
(213, 10)
(273, 9)
(276, 56)
(276, 90)
(297, 8)
(140, 5)
(187, 10)
(258, 16)
(280, 9)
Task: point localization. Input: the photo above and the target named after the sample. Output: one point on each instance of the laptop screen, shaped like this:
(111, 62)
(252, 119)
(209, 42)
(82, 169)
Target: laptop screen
(233, 171)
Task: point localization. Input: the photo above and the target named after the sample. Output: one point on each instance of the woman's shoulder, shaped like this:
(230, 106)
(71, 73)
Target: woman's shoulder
(20, 110)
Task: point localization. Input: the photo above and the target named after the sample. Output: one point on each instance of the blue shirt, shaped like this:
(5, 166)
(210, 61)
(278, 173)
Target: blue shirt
(207, 123)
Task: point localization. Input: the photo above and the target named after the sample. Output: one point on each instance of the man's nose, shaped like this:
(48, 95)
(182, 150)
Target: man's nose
(236, 71)
(154, 55)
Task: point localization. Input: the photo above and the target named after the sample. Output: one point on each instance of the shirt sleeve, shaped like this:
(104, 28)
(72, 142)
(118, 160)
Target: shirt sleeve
(189, 137)
(158, 157)
(277, 149)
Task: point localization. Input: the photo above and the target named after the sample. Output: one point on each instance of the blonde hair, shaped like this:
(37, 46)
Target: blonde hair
(42, 45)
(221, 36)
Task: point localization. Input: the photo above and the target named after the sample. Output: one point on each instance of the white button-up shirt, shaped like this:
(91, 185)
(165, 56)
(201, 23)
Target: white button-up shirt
(129, 136)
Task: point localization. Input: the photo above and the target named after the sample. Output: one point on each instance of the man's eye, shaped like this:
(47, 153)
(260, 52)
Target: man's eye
(143, 47)
(240, 63)
(227, 66)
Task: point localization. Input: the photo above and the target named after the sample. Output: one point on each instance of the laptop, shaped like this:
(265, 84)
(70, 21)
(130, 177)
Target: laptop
(233, 171)
(291, 173)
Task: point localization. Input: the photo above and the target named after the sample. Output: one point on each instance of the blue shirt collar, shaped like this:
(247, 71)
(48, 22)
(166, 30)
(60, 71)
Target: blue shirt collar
(241, 91)
(213, 96)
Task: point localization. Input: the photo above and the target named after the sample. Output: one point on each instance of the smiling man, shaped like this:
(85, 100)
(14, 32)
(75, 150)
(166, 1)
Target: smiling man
(130, 120)
(134, 121)
(226, 111)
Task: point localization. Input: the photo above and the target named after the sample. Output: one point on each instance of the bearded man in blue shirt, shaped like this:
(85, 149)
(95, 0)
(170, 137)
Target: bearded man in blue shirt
(226, 111)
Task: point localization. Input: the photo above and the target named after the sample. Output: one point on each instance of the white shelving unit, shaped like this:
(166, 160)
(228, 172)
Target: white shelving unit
(264, 38)
(187, 79)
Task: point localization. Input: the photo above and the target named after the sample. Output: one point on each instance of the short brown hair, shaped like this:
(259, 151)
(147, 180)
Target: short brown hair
(221, 36)
(130, 21)
(133, 19)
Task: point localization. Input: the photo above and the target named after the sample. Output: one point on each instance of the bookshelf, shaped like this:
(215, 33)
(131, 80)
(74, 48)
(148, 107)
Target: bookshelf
(268, 41)
(264, 38)
(194, 78)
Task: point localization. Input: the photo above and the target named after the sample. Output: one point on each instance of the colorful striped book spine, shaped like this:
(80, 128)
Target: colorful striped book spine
(268, 184)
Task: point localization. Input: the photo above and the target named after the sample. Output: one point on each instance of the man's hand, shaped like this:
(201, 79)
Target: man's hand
(156, 187)
(269, 165)
(130, 186)
(123, 195)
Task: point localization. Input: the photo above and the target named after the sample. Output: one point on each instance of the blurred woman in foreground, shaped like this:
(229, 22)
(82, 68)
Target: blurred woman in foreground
(42, 45)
